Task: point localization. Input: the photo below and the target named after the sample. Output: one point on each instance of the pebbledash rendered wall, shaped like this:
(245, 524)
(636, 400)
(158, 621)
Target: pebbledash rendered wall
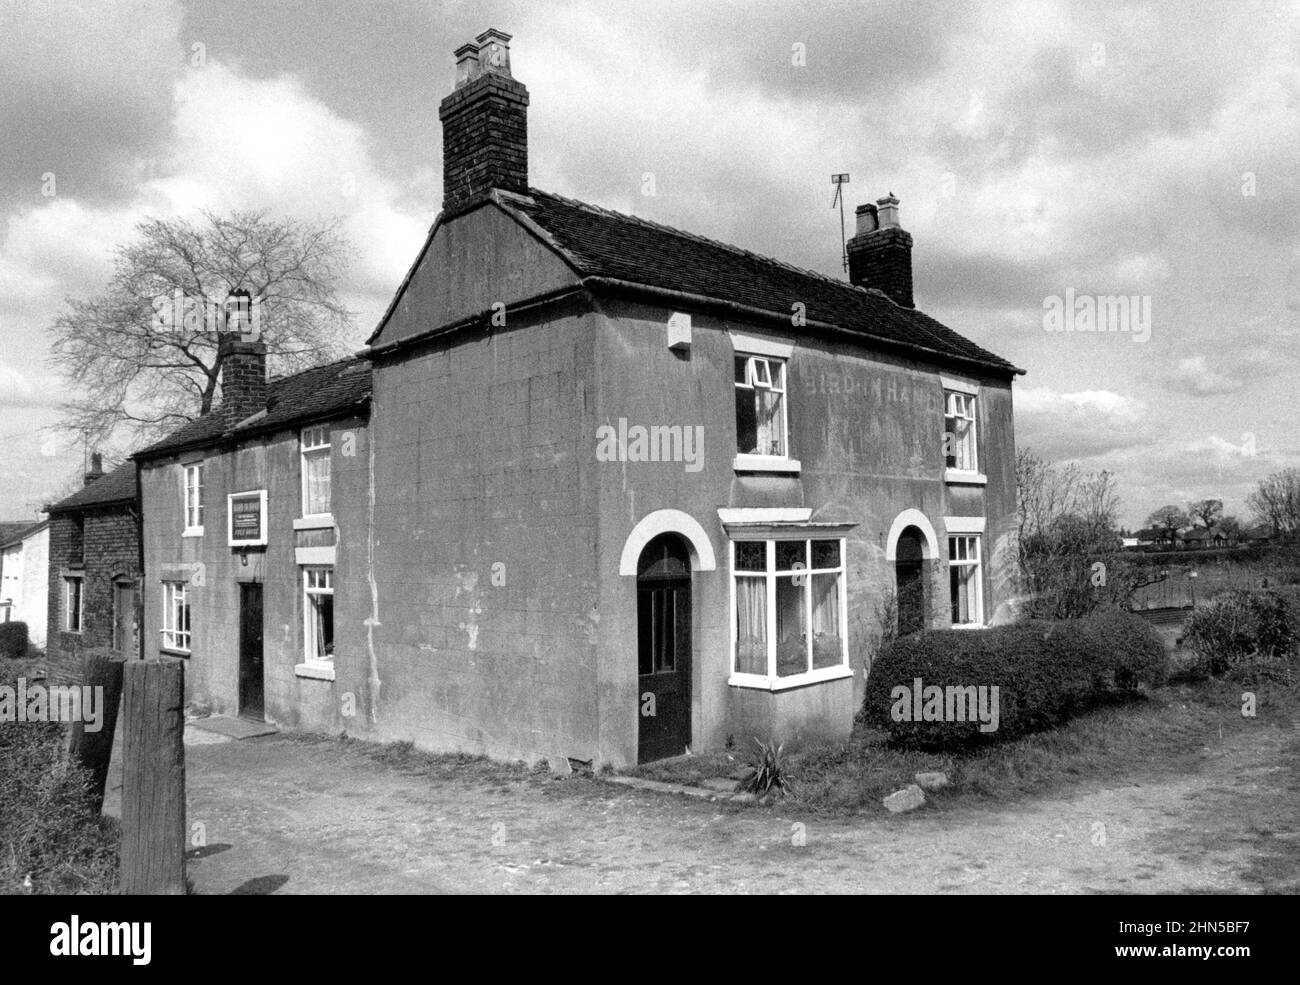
(212, 669)
(503, 625)
(868, 431)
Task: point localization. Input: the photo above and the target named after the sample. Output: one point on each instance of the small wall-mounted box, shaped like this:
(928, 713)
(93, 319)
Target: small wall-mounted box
(679, 332)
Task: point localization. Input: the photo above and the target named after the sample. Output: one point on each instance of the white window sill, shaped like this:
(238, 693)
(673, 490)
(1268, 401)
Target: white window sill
(315, 670)
(968, 625)
(766, 463)
(761, 682)
(192, 532)
(960, 477)
(171, 651)
(319, 521)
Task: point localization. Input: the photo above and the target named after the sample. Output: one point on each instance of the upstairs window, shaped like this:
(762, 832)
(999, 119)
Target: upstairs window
(315, 471)
(959, 431)
(194, 499)
(760, 406)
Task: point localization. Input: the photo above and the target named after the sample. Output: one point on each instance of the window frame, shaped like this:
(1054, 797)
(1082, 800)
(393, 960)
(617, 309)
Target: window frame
(968, 393)
(308, 624)
(978, 564)
(192, 511)
(320, 450)
(772, 681)
(174, 638)
(80, 581)
(771, 349)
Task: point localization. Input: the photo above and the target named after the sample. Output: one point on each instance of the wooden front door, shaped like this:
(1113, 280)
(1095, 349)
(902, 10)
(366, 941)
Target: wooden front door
(250, 652)
(909, 576)
(124, 626)
(663, 600)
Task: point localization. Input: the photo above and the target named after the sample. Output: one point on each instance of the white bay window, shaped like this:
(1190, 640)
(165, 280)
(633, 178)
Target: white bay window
(789, 620)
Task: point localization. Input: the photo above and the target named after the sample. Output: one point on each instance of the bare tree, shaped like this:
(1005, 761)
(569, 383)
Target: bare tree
(1207, 511)
(143, 356)
(1275, 500)
(1167, 521)
(1068, 541)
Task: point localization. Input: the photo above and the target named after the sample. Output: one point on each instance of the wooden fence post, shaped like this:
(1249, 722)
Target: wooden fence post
(93, 750)
(153, 777)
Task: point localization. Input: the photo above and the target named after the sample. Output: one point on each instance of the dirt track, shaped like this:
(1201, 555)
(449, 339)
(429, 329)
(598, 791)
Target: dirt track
(296, 817)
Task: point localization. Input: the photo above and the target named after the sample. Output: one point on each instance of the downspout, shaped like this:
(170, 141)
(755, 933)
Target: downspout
(374, 684)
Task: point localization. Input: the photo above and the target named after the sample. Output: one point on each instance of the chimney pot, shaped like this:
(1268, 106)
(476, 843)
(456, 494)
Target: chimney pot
(466, 63)
(494, 52)
(888, 209)
(96, 468)
(867, 221)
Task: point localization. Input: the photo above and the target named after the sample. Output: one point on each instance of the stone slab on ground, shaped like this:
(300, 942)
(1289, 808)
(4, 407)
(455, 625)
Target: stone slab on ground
(234, 728)
(657, 786)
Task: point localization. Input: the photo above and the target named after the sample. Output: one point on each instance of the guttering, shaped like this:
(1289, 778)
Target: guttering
(750, 312)
(478, 318)
(230, 439)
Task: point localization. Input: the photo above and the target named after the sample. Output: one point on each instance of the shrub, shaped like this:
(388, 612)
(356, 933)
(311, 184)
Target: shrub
(1045, 673)
(769, 772)
(1130, 647)
(50, 840)
(1243, 624)
(13, 640)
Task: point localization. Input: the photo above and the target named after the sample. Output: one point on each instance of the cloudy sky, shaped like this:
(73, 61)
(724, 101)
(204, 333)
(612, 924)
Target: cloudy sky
(1139, 149)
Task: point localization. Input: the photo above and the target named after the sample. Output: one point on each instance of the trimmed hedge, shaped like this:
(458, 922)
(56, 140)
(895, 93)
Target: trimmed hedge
(1130, 649)
(1045, 672)
(13, 640)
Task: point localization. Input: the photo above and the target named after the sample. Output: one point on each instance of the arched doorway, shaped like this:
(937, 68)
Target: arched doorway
(909, 579)
(663, 615)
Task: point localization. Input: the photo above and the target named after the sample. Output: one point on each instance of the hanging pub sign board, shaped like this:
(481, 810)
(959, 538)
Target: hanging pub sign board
(246, 518)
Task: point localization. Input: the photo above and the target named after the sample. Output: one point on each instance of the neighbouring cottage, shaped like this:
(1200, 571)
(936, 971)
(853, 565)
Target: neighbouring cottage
(621, 491)
(255, 517)
(25, 577)
(94, 566)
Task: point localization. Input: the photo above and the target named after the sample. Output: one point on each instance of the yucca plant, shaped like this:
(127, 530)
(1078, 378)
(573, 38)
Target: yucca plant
(769, 772)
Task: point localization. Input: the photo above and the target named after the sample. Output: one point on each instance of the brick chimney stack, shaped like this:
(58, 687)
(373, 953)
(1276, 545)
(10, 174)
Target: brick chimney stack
(880, 252)
(243, 378)
(96, 468)
(484, 125)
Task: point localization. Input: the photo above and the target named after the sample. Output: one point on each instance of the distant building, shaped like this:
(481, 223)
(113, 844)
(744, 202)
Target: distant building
(94, 566)
(24, 578)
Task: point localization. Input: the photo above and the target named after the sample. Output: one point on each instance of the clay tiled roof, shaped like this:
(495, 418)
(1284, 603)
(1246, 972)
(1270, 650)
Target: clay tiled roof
(599, 243)
(313, 394)
(117, 486)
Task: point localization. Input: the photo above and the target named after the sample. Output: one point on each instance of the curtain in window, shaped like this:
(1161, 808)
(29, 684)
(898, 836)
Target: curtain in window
(791, 626)
(751, 626)
(318, 482)
(827, 646)
(771, 436)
